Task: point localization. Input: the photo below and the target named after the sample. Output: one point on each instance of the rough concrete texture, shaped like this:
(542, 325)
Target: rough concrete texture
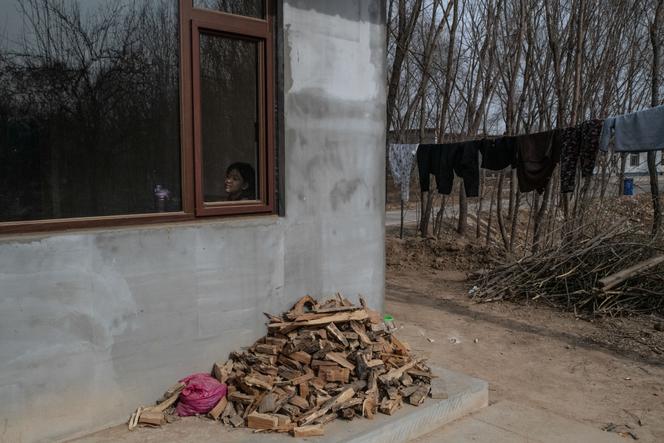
(465, 395)
(508, 422)
(94, 323)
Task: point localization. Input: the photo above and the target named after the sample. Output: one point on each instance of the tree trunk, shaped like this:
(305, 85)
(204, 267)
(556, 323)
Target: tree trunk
(406, 26)
(621, 176)
(499, 210)
(490, 218)
(426, 213)
(463, 210)
(539, 219)
(654, 101)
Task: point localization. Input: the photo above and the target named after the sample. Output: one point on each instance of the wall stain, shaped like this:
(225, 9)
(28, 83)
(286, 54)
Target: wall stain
(343, 191)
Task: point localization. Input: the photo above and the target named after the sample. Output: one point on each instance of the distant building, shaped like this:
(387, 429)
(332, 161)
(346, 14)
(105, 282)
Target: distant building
(637, 164)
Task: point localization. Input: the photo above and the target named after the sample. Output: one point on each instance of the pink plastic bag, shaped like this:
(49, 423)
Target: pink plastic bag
(201, 393)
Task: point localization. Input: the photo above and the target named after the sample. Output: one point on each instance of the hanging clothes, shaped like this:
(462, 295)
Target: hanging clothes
(499, 153)
(401, 158)
(446, 160)
(579, 145)
(537, 157)
(636, 132)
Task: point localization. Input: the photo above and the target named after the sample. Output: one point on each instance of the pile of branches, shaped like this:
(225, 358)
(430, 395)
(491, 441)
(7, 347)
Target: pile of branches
(615, 272)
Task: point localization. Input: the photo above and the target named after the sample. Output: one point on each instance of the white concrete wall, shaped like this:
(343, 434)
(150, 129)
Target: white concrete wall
(642, 167)
(94, 323)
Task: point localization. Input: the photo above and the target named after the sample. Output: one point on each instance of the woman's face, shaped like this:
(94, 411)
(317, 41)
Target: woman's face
(234, 183)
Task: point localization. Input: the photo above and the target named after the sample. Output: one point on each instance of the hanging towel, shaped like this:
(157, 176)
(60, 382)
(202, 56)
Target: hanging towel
(579, 145)
(498, 154)
(537, 157)
(636, 132)
(444, 160)
(401, 158)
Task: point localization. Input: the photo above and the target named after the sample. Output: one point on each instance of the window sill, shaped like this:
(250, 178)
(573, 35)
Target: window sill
(42, 229)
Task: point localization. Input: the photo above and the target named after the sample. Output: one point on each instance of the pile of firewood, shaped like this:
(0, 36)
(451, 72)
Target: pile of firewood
(319, 362)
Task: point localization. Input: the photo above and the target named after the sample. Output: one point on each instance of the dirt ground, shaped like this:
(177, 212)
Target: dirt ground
(606, 372)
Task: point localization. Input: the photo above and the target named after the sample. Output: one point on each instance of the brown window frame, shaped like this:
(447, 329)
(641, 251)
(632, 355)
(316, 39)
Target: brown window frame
(192, 21)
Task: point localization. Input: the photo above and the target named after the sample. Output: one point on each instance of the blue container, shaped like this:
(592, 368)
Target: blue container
(628, 186)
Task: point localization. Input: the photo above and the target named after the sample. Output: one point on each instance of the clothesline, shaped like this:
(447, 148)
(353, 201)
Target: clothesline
(534, 156)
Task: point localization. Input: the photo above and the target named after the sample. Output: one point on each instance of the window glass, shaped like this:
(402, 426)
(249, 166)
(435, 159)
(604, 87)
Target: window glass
(250, 8)
(229, 117)
(634, 160)
(89, 108)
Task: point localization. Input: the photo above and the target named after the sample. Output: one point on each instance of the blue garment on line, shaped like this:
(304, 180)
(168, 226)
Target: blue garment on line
(636, 132)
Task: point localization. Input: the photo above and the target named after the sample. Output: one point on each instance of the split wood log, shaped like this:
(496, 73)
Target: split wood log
(301, 357)
(239, 397)
(299, 402)
(259, 380)
(334, 374)
(336, 309)
(267, 349)
(256, 420)
(236, 421)
(308, 431)
(343, 397)
(340, 358)
(302, 378)
(151, 417)
(269, 403)
(300, 307)
(335, 318)
(133, 420)
(614, 280)
(359, 330)
(221, 370)
(219, 408)
(161, 407)
(332, 328)
(418, 397)
(398, 372)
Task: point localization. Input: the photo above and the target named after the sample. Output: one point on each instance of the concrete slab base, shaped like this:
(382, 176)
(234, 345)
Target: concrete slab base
(464, 395)
(508, 422)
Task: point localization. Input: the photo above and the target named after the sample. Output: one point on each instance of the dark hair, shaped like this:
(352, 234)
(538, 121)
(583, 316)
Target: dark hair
(248, 176)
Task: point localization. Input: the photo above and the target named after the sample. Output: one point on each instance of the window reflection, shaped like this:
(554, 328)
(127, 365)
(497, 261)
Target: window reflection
(229, 107)
(89, 108)
(249, 8)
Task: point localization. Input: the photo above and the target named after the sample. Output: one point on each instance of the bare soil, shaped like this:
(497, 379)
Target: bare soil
(607, 372)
